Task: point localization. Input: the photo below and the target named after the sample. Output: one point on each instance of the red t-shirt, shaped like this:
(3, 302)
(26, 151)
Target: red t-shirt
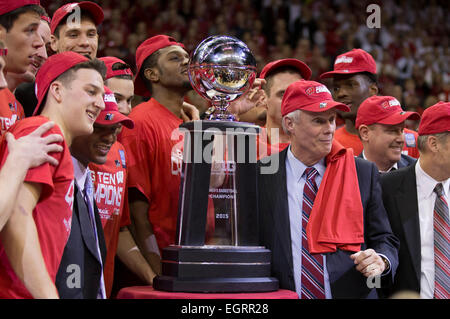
(352, 141)
(155, 154)
(110, 181)
(10, 110)
(52, 214)
(264, 148)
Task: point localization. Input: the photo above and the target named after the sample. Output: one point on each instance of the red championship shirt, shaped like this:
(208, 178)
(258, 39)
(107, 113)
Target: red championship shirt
(155, 153)
(352, 141)
(110, 181)
(52, 214)
(10, 110)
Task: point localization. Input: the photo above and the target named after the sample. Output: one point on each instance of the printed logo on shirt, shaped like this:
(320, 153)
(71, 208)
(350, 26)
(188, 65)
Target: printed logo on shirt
(69, 195)
(122, 158)
(176, 159)
(109, 193)
(7, 122)
(410, 140)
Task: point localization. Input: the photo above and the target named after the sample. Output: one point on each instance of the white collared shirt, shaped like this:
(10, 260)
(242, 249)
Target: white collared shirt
(295, 181)
(426, 198)
(80, 173)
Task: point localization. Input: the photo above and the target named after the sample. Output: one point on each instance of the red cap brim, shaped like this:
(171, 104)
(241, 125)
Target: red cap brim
(400, 117)
(114, 117)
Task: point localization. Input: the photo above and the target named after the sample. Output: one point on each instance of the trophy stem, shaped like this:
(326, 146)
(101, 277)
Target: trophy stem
(221, 113)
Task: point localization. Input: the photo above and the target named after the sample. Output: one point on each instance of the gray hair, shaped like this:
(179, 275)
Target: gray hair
(422, 140)
(294, 116)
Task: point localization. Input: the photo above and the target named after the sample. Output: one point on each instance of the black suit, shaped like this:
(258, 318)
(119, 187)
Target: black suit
(404, 161)
(345, 280)
(79, 272)
(400, 199)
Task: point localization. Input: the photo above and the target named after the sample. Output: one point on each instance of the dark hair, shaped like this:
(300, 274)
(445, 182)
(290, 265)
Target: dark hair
(7, 20)
(283, 69)
(372, 78)
(121, 66)
(150, 62)
(95, 64)
(85, 14)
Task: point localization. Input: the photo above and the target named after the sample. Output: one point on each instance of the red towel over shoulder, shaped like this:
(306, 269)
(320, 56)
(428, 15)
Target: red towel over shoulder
(336, 219)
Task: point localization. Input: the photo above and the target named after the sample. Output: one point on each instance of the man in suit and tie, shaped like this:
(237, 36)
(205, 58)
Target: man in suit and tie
(416, 199)
(380, 122)
(321, 212)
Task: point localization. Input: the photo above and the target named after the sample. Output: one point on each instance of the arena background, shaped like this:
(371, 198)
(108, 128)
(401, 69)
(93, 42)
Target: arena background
(411, 45)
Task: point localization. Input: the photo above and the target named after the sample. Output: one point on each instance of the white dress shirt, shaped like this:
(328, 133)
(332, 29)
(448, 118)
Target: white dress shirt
(295, 181)
(80, 173)
(426, 198)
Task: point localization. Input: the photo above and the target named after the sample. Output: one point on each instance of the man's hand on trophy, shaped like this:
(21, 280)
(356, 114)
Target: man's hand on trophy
(253, 98)
(189, 112)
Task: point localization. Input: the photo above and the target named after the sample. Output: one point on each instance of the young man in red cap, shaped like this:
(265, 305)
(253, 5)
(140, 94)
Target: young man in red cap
(417, 201)
(74, 28)
(68, 86)
(380, 122)
(115, 219)
(154, 146)
(88, 243)
(19, 22)
(278, 75)
(354, 80)
(119, 79)
(321, 214)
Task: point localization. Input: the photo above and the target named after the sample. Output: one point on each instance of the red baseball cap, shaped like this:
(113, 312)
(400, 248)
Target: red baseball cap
(111, 115)
(53, 67)
(305, 71)
(435, 119)
(382, 110)
(309, 96)
(94, 9)
(11, 5)
(109, 62)
(144, 50)
(354, 61)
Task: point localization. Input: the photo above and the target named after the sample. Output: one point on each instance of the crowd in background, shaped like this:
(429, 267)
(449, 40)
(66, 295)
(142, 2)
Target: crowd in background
(411, 47)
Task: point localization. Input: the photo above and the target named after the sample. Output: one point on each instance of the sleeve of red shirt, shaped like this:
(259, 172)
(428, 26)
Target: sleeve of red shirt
(125, 218)
(139, 150)
(42, 174)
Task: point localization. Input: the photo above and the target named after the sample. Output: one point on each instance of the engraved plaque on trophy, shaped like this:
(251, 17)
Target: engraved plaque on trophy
(217, 247)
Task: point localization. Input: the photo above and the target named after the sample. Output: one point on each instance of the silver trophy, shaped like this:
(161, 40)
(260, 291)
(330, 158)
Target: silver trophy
(221, 69)
(217, 246)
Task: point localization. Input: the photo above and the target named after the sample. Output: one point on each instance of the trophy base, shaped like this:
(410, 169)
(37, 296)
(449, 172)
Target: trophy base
(215, 285)
(215, 269)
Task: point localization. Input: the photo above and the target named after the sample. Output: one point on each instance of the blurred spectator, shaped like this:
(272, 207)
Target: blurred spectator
(412, 42)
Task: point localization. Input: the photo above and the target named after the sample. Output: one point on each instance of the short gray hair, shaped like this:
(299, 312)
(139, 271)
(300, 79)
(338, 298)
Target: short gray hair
(422, 140)
(294, 115)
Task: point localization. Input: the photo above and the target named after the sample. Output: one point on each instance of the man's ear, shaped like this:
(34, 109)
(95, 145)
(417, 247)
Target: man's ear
(288, 123)
(373, 89)
(363, 133)
(3, 34)
(152, 74)
(54, 43)
(55, 90)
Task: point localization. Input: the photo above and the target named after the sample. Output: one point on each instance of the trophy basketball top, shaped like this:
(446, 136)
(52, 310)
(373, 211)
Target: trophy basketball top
(221, 69)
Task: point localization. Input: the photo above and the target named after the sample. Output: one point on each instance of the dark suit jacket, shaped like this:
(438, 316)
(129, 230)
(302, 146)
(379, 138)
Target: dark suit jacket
(400, 199)
(404, 161)
(79, 272)
(345, 280)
